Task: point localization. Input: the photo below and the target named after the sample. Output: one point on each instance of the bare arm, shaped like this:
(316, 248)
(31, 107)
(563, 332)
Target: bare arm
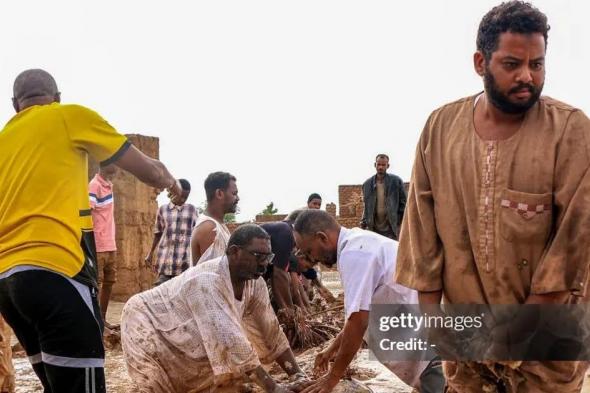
(202, 238)
(350, 342)
(549, 298)
(296, 290)
(324, 292)
(281, 288)
(150, 256)
(430, 297)
(148, 170)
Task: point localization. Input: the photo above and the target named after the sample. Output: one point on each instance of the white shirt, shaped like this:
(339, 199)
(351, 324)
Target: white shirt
(366, 262)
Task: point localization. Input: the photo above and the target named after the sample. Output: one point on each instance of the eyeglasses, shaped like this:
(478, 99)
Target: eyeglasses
(260, 256)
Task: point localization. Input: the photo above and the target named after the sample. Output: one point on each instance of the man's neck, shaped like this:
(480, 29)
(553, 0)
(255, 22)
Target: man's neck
(215, 212)
(491, 113)
(380, 177)
(493, 124)
(237, 284)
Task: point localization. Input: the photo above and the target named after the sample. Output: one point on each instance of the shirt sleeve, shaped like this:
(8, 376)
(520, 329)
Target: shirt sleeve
(360, 273)
(228, 350)
(564, 265)
(262, 326)
(93, 193)
(89, 132)
(420, 256)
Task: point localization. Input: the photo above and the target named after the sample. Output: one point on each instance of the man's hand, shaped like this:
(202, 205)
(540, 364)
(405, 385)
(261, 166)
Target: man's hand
(175, 192)
(325, 384)
(322, 361)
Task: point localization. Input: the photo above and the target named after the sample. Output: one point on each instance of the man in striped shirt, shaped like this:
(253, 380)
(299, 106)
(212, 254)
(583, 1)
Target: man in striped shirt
(172, 236)
(101, 202)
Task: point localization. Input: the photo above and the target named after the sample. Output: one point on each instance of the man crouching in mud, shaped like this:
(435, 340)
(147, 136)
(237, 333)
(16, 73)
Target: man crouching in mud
(209, 329)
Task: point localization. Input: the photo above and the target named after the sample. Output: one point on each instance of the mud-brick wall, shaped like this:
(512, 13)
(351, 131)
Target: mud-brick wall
(350, 200)
(135, 215)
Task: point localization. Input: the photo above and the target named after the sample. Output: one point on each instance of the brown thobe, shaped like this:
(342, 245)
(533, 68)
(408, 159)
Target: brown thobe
(6, 369)
(494, 221)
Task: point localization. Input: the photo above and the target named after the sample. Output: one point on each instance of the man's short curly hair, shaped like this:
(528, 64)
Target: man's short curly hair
(513, 16)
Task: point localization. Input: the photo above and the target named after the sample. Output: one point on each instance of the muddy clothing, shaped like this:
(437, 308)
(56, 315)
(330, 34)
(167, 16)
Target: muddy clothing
(176, 224)
(492, 222)
(6, 369)
(393, 203)
(219, 245)
(191, 334)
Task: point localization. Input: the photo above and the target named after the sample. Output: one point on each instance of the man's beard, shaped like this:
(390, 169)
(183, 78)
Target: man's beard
(502, 101)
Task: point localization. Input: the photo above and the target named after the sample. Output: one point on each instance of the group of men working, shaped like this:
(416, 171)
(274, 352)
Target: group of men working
(497, 214)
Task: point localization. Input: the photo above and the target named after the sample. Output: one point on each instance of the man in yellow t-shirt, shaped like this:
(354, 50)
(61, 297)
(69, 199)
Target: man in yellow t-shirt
(47, 252)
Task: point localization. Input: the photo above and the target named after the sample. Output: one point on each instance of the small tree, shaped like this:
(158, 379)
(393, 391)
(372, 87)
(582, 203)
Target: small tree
(269, 210)
(229, 218)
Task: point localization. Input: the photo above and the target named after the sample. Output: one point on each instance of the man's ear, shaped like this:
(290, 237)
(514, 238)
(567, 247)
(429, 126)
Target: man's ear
(219, 193)
(57, 97)
(233, 250)
(322, 236)
(479, 63)
(15, 105)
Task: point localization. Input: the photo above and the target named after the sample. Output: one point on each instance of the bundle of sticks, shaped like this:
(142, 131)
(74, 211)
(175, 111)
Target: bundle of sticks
(306, 331)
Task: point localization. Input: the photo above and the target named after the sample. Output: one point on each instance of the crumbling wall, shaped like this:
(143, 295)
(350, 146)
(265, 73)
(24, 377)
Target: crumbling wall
(135, 215)
(350, 200)
(262, 218)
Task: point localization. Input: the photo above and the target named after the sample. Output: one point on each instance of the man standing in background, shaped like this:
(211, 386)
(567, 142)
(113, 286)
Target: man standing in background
(385, 200)
(100, 191)
(211, 235)
(314, 201)
(172, 237)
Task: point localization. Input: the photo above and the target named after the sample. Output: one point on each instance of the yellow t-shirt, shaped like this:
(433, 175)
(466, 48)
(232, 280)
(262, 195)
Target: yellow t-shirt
(44, 208)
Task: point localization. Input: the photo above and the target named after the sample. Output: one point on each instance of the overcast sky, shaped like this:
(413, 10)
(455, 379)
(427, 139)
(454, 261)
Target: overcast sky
(291, 97)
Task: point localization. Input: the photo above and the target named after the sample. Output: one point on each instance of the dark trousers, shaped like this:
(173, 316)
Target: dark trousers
(432, 379)
(60, 328)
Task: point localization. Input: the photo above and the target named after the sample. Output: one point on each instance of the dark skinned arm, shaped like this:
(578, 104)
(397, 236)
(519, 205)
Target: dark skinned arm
(202, 238)
(281, 288)
(149, 258)
(351, 341)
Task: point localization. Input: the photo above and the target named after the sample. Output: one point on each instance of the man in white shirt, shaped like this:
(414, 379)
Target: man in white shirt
(366, 262)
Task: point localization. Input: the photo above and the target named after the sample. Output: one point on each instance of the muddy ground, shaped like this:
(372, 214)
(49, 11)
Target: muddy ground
(371, 373)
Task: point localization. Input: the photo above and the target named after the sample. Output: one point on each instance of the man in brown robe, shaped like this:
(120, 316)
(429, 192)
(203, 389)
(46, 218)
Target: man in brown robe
(498, 208)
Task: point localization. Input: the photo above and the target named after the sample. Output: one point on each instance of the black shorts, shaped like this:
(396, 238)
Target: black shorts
(58, 323)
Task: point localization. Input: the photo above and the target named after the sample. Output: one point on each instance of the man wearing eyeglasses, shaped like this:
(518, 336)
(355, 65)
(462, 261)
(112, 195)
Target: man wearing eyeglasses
(211, 327)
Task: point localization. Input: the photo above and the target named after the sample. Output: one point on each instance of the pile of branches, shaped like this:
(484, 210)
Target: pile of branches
(305, 332)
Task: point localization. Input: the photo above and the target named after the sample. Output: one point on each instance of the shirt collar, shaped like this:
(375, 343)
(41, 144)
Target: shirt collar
(172, 206)
(342, 238)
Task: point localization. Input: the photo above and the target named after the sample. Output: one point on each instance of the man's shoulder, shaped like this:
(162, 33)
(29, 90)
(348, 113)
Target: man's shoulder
(454, 108)
(551, 104)
(394, 177)
(369, 181)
